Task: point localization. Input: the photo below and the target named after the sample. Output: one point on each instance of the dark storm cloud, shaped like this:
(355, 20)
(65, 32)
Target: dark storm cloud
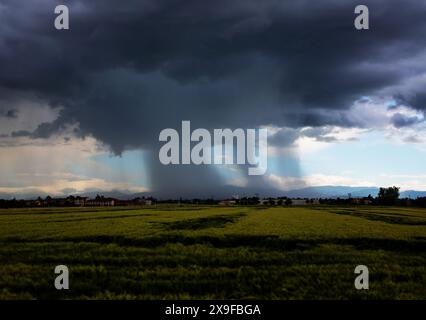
(127, 70)
(320, 134)
(313, 45)
(284, 137)
(20, 133)
(11, 114)
(416, 100)
(399, 120)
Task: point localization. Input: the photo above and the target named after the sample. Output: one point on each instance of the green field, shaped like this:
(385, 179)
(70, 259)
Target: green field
(192, 252)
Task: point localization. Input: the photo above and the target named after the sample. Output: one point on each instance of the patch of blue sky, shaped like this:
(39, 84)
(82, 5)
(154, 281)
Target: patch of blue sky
(371, 156)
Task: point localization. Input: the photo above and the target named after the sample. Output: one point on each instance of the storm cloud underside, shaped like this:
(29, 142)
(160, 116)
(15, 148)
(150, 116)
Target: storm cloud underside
(125, 71)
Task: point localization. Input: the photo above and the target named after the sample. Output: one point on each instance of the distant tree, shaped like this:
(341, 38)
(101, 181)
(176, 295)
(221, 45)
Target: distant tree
(421, 202)
(288, 202)
(388, 196)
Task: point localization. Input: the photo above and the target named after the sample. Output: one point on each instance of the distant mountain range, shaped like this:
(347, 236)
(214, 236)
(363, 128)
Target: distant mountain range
(345, 192)
(308, 192)
(232, 191)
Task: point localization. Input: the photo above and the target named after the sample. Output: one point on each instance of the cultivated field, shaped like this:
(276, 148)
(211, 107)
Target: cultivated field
(213, 252)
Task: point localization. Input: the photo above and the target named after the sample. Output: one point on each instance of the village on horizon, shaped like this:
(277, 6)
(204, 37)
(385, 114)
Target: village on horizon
(385, 196)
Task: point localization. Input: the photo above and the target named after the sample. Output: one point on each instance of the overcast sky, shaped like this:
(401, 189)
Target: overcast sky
(81, 109)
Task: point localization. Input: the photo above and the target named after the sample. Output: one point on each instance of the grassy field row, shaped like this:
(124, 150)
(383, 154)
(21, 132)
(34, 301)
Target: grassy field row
(213, 252)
